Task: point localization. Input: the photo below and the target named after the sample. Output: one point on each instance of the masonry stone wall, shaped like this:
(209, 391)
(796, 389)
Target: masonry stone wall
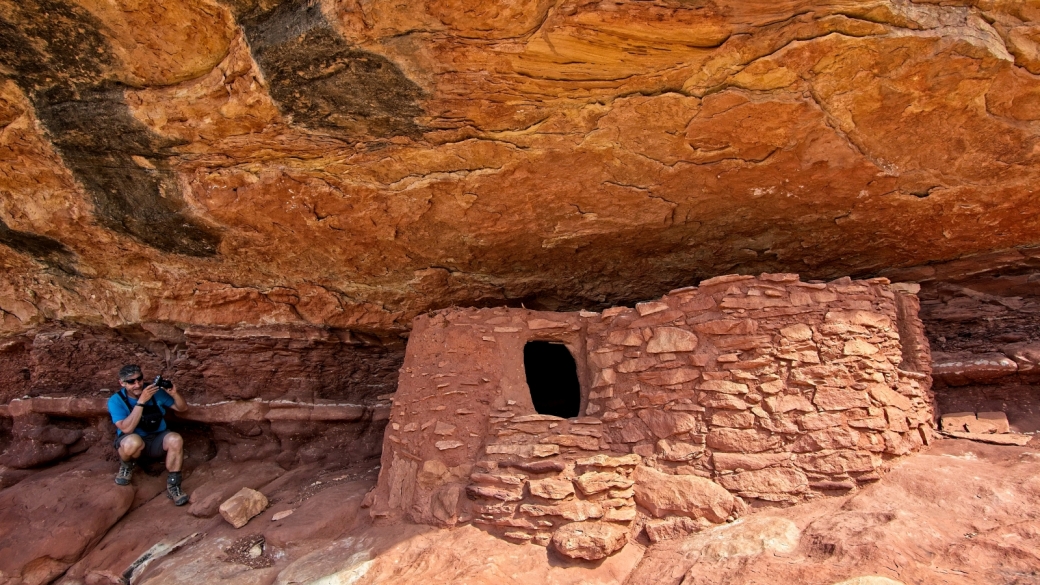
(774, 389)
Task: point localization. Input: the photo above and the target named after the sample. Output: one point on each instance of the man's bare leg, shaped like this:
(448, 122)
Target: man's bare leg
(173, 444)
(130, 448)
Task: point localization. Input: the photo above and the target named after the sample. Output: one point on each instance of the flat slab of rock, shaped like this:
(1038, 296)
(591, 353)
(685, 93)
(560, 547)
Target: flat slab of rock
(411, 553)
(48, 521)
(751, 536)
(551, 488)
(671, 339)
(869, 580)
(240, 508)
(956, 422)
(990, 422)
(672, 527)
(983, 423)
(323, 516)
(1004, 439)
(1026, 355)
(965, 368)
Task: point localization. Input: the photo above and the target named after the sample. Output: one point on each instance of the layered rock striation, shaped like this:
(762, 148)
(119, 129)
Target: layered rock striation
(982, 326)
(294, 394)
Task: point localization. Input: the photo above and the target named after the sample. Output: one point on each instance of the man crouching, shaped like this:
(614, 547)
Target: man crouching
(139, 412)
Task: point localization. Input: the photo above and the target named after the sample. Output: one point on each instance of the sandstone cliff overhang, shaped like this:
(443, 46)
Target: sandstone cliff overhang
(352, 165)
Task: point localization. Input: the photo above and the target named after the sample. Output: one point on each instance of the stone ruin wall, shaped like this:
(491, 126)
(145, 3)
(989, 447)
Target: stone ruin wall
(777, 390)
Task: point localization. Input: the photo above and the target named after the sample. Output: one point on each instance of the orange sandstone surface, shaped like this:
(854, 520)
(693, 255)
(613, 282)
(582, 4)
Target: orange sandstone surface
(352, 164)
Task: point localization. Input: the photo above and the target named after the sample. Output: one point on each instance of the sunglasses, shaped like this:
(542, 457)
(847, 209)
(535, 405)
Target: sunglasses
(133, 381)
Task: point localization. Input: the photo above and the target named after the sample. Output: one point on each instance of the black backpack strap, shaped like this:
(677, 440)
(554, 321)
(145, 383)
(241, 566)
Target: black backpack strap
(155, 402)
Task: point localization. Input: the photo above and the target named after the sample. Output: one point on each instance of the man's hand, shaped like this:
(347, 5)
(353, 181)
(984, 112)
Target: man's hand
(147, 394)
(179, 404)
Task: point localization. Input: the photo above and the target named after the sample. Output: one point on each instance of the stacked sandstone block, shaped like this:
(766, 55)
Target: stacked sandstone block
(743, 388)
(775, 388)
(540, 472)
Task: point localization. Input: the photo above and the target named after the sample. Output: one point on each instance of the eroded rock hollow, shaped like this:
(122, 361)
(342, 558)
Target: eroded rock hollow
(268, 200)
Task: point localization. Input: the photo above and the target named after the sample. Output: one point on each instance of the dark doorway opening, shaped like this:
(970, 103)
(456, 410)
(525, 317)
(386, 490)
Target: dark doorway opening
(552, 377)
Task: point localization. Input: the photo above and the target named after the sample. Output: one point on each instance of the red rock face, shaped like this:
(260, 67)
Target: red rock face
(257, 198)
(773, 389)
(88, 511)
(285, 393)
(983, 330)
(172, 174)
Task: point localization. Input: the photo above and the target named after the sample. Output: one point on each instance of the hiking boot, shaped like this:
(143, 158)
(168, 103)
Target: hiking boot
(126, 471)
(174, 493)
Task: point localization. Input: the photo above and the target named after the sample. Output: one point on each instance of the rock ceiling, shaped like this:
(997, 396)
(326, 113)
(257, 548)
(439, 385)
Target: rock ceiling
(353, 163)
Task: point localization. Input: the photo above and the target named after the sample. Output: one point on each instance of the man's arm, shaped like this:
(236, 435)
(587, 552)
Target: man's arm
(179, 403)
(128, 424)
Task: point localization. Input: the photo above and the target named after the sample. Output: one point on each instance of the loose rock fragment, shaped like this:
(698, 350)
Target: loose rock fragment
(243, 506)
(683, 495)
(589, 540)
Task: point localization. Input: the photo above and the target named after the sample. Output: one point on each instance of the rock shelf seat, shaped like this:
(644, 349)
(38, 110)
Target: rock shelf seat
(744, 390)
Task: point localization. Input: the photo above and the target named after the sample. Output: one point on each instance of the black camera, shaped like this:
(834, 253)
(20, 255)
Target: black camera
(163, 383)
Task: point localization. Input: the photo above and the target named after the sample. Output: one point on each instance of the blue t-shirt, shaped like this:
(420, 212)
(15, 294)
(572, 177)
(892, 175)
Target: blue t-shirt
(118, 409)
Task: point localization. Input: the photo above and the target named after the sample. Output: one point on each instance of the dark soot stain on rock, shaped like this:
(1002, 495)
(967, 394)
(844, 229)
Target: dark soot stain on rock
(47, 250)
(98, 138)
(323, 83)
(64, 48)
(61, 63)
